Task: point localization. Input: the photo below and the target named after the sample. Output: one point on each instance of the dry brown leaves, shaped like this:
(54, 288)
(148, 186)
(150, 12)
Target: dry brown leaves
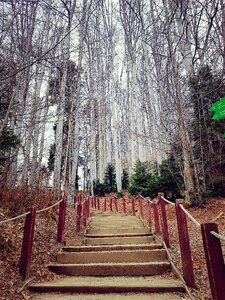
(212, 209)
(44, 251)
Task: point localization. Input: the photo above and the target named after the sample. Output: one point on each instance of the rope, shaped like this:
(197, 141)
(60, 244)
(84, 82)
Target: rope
(167, 201)
(146, 199)
(15, 218)
(47, 208)
(217, 235)
(27, 213)
(76, 204)
(190, 216)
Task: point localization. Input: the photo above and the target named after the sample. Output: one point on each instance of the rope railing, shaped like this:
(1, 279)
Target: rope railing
(167, 201)
(217, 235)
(27, 213)
(14, 218)
(49, 207)
(147, 199)
(190, 216)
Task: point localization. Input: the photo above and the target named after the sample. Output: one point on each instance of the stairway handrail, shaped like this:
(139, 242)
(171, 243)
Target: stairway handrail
(28, 212)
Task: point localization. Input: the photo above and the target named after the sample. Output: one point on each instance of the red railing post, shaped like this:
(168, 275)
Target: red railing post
(61, 220)
(164, 223)
(74, 201)
(110, 204)
(149, 214)
(87, 207)
(133, 206)
(140, 207)
(78, 218)
(105, 204)
(214, 260)
(116, 204)
(85, 213)
(185, 249)
(98, 203)
(124, 205)
(95, 203)
(156, 217)
(28, 237)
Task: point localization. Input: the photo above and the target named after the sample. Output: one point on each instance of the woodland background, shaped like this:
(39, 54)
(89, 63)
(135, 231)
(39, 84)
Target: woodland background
(111, 95)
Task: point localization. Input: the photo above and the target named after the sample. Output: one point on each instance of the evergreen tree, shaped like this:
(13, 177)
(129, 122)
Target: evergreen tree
(139, 178)
(149, 181)
(110, 179)
(9, 141)
(125, 180)
(207, 135)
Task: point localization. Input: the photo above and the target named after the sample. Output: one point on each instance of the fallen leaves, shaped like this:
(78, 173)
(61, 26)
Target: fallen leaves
(45, 248)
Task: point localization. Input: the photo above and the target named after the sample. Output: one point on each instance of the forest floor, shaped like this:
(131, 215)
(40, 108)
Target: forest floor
(45, 248)
(214, 209)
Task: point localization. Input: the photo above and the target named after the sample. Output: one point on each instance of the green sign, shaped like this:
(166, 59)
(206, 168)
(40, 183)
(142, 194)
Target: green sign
(219, 110)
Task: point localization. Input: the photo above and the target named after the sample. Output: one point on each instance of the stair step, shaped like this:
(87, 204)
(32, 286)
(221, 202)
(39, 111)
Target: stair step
(116, 256)
(130, 296)
(111, 269)
(117, 235)
(116, 230)
(109, 285)
(71, 248)
(119, 240)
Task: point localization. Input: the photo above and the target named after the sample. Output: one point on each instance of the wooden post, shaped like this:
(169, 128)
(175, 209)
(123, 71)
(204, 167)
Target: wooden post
(140, 207)
(116, 204)
(214, 260)
(156, 218)
(88, 207)
(61, 220)
(78, 218)
(165, 230)
(74, 201)
(185, 249)
(110, 204)
(133, 206)
(85, 213)
(124, 205)
(149, 214)
(105, 204)
(98, 203)
(28, 237)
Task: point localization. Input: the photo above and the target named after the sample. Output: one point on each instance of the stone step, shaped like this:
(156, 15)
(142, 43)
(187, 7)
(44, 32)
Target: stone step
(119, 240)
(109, 285)
(111, 269)
(112, 256)
(71, 248)
(114, 221)
(87, 235)
(116, 230)
(129, 296)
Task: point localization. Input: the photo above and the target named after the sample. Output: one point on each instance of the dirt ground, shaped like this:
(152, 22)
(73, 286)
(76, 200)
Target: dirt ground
(45, 247)
(213, 208)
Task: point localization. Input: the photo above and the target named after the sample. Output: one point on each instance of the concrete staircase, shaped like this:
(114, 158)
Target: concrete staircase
(118, 260)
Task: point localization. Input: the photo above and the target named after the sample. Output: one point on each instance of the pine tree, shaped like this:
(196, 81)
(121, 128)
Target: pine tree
(140, 179)
(125, 180)
(110, 179)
